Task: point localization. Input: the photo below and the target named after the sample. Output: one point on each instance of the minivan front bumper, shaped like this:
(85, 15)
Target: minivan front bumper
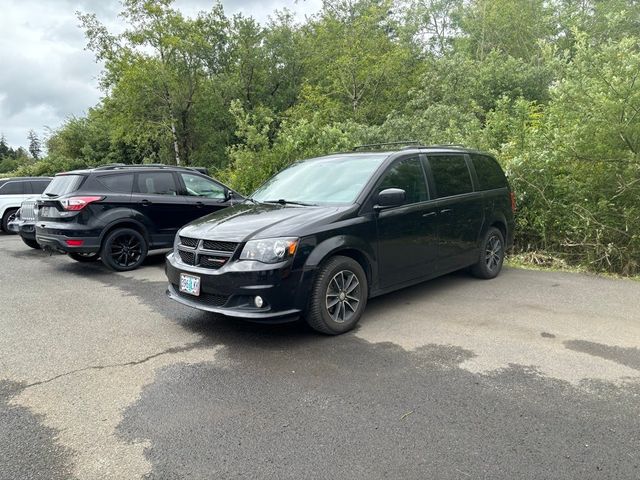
(231, 290)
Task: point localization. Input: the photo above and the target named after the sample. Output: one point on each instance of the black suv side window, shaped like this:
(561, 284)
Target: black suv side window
(450, 174)
(13, 188)
(408, 175)
(488, 171)
(198, 186)
(118, 183)
(157, 183)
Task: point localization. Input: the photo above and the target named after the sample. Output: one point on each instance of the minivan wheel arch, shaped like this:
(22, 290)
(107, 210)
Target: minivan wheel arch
(346, 246)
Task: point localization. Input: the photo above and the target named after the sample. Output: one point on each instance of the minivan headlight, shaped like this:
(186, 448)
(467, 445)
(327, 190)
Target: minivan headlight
(270, 250)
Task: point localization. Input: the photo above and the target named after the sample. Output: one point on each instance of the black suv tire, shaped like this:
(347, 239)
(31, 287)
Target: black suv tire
(491, 255)
(124, 249)
(339, 296)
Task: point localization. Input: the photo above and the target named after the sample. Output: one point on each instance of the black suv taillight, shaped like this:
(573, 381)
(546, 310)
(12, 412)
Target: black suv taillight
(75, 204)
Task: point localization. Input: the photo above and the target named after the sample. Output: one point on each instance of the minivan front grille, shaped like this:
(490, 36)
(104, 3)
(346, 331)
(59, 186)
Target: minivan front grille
(189, 242)
(211, 254)
(219, 246)
(187, 257)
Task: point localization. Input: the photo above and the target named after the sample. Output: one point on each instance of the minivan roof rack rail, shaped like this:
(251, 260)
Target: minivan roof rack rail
(446, 145)
(370, 145)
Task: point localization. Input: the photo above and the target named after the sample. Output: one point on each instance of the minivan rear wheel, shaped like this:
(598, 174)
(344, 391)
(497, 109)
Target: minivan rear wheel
(491, 255)
(124, 249)
(339, 296)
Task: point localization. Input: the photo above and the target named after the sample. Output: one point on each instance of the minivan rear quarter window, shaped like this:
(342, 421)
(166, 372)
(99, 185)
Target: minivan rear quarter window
(63, 184)
(488, 171)
(450, 174)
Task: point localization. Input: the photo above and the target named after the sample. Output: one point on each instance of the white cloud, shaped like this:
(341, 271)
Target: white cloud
(46, 75)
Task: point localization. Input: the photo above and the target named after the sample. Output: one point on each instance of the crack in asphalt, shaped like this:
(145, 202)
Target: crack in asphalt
(168, 351)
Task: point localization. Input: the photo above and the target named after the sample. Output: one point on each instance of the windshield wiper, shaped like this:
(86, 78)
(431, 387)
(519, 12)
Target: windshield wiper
(282, 201)
(254, 201)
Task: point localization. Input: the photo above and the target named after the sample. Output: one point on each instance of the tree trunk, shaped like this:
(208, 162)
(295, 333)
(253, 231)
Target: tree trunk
(176, 149)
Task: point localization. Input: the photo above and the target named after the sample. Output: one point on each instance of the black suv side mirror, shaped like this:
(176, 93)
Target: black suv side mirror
(391, 197)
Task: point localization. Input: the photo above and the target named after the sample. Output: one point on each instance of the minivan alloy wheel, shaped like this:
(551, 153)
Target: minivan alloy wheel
(343, 296)
(493, 253)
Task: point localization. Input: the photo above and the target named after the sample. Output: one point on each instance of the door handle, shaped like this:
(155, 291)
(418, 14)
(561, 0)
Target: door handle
(145, 203)
(199, 204)
(446, 210)
(429, 214)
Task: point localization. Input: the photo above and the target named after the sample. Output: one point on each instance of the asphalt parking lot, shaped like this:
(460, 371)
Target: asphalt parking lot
(533, 375)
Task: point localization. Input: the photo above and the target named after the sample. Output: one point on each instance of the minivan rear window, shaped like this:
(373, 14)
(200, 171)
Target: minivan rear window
(489, 173)
(63, 184)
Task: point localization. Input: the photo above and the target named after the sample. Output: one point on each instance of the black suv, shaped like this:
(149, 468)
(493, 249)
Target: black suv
(324, 235)
(119, 212)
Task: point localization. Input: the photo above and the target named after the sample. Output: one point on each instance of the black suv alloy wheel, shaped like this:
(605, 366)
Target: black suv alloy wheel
(124, 249)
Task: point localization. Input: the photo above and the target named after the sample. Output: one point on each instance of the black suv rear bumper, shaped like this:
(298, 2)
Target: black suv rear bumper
(57, 239)
(231, 290)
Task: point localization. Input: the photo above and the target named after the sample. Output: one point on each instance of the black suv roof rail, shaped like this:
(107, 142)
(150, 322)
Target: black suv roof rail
(369, 145)
(115, 166)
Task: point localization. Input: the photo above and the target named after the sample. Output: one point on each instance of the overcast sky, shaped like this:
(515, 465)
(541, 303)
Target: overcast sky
(45, 73)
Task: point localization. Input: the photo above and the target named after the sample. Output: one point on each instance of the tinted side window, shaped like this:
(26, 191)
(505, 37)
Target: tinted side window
(450, 174)
(408, 175)
(198, 186)
(13, 188)
(157, 183)
(118, 183)
(39, 186)
(489, 173)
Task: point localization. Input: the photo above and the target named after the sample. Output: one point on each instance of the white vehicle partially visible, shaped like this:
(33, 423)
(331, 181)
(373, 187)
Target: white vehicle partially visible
(13, 191)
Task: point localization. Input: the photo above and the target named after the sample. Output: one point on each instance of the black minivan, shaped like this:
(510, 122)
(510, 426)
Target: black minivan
(324, 235)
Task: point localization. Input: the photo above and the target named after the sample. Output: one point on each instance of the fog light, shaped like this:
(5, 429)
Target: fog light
(258, 302)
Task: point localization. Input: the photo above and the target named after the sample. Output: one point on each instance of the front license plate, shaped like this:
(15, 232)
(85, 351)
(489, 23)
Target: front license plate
(190, 284)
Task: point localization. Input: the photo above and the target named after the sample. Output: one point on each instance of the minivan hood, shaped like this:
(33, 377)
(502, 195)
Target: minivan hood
(243, 222)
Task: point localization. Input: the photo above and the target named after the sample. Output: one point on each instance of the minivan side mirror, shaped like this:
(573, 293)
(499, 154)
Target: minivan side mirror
(391, 197)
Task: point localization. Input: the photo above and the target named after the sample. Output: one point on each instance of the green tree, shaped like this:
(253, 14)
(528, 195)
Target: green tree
(35, 145)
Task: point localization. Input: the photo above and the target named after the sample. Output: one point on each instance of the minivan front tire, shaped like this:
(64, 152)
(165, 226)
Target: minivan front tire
(339, 296)
(124, 249)
(491, 255)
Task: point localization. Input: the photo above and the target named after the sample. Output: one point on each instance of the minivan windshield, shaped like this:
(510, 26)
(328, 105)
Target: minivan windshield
(337, 179)
(63, 184)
